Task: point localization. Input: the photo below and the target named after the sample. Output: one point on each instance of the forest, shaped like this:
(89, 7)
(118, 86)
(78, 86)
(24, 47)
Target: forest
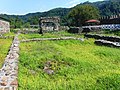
(106, 8)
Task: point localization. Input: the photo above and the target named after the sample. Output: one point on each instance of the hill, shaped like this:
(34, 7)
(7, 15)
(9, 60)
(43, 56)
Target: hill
(106, 7)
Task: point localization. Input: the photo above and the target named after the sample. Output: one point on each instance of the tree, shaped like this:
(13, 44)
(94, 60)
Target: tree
(18, 22)
(26, 25)
(78, 15)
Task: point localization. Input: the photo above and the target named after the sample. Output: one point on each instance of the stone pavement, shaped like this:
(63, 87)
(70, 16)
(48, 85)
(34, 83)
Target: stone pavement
(9, 70)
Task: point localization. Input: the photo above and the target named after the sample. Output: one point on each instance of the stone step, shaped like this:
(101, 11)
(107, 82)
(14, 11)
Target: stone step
(107, 43)
(108, 38)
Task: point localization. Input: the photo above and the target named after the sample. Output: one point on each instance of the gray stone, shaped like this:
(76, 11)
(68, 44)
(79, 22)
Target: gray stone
(5, 26)
(3, 83)
(48, 24)
(9, 71)
(48, 70)
(107, 43)
(102, 37)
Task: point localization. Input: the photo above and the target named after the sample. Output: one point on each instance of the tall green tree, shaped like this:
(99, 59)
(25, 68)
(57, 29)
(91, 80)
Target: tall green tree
(16, 22)
(78, 15)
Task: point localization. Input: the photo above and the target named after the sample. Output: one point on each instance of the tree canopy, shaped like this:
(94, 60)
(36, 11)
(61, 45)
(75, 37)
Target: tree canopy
(78, 15)
(106, 8)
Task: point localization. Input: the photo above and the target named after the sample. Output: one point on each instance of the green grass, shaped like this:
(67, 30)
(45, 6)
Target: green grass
(116, 33)
(4, 47)
(77, 66)
(11, 34)
(48, 35)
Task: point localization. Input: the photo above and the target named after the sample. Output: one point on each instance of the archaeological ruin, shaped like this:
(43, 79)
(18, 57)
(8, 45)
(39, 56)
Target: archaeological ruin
(49, 24)
(4, 25)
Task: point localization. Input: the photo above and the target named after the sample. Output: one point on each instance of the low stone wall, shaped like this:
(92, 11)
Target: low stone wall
(64, 28)
(9, 71)
(52, 39)
(108, 38)
(48, 31)
(4, 26)
(107, 43)
(6, 37)
(75, 30)
(29, 31)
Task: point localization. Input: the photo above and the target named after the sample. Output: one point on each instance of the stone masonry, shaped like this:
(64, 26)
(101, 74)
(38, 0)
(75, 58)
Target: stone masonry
(107, 43)
(9, 71)
(4, 26)
(112, 41)
(52, 39)
(108, 38)
(48, 24)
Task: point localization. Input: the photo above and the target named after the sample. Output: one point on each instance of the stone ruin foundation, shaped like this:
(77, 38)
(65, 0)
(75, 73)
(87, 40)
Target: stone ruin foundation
(111, 41)
(75, 30)
(49, 24)
(9, 70)
(4, 26)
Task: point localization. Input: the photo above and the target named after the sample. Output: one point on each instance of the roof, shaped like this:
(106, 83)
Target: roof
(93, 21)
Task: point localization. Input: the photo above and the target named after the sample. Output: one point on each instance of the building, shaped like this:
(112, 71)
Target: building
(4, 25)
(114, 19)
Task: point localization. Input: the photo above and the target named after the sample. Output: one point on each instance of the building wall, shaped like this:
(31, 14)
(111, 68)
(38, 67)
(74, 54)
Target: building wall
(4, 26)
(114, 19)
(49, 24)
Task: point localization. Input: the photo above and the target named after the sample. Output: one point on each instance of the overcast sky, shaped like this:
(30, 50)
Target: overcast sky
(21, 7)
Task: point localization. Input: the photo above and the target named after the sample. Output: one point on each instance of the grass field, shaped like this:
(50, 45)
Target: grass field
(111, 33)
(48, 35)
(77, 66)
(12, 34)
(4, 47)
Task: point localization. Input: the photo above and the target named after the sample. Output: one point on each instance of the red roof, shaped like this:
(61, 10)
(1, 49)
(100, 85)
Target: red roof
(93, 20)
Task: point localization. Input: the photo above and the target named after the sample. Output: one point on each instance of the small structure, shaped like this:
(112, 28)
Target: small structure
(48, 24)
(91, 27)
(93, 22)
(4, 25)
(113, 19)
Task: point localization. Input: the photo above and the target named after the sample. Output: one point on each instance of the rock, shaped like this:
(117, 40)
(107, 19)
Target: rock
(32, 72)
(1, 88)
(15, 82)
(3, 83)
(13, 74)
(4, 78)
(7, 68)
(48, 70)
(81, 39)
(15, 45)
(107, 43)
(6, 88)
(14, 88)
(48, 63)
(16, 68)
(7, 73)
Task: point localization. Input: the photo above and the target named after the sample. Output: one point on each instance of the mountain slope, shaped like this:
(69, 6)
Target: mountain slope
(106, 7)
